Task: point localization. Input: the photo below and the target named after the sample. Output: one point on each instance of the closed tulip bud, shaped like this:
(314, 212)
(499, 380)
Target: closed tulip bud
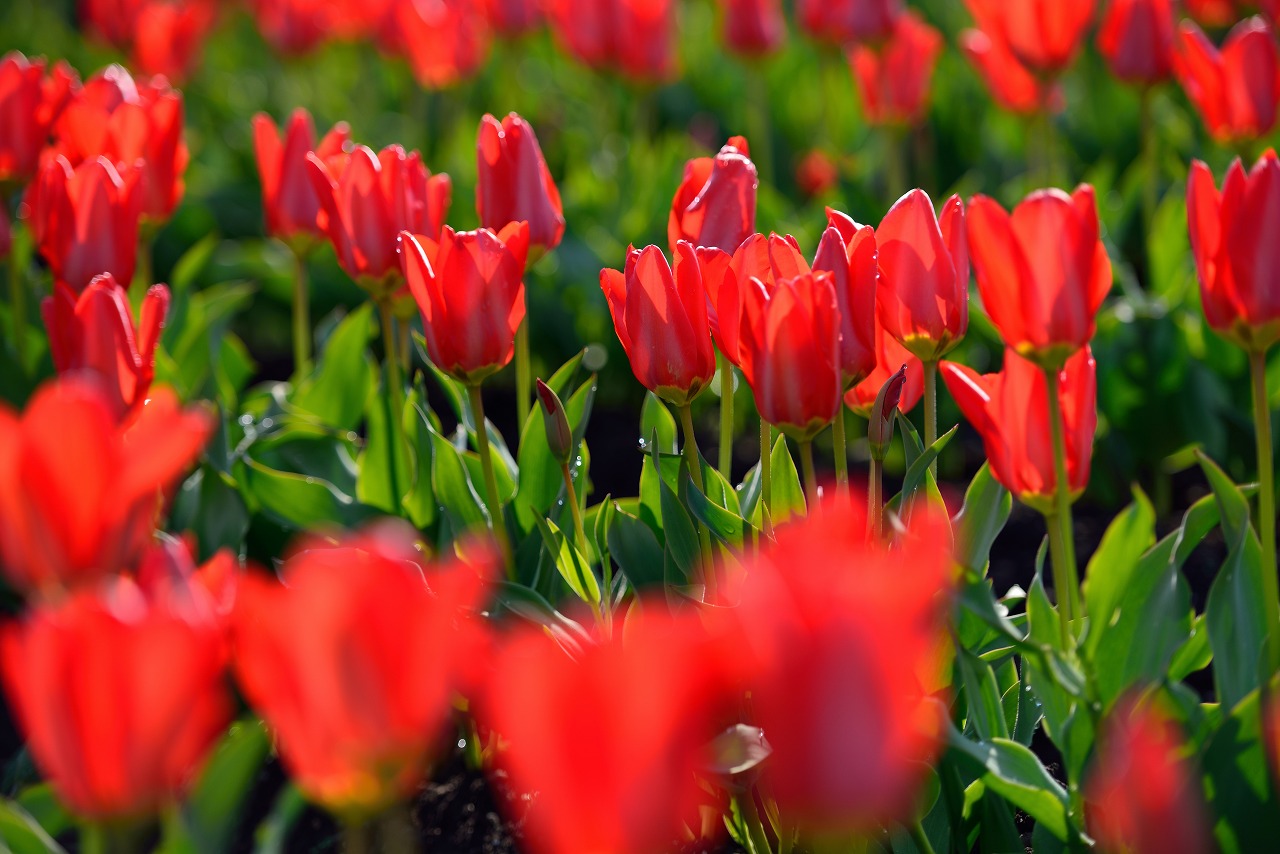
(841, 22)
(514, 183)
(753, 27)
(1236, 89)
(556, 423)
(1014, 87)
(894, 77)
(469, 288)
(1137, 39)
(636, 37)
(890, 358)
(880, 425)
(923, 298)
(30, 103)
(1042, 272)
(169, 36)
(1010, 410)
(715, 205)
(1045, 35)
(445, 41)
(848, 251)
(288, 196)
(817, 174)
(660, 316)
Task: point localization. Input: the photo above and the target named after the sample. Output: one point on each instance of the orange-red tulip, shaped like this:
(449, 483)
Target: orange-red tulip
(514, 183)
(842, 22)
(1042, 272)
(1010, 410)
(848, 251)
(30, 103)
(1137, 39)
(753, 27)
(293, 26)
(817, 174)
(288, 196)
(660, 316)
(1014, 87)
(1045, 35)
(1214, 13)
(170, 34)
(715, 204)
(890, 356)
(514, 17)
(445, 41)
(1236, 89)
(469, 287)
(637, 37)
(894, 77)
(923, 298)
(355, 660)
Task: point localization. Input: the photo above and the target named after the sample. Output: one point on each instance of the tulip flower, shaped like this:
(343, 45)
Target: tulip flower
(79, 491)
(30, 103)
(514, 17)
(355, 660)
(445, 41)
(893, 78)
(1045, 35)
(293, 27)
(842, 22)
(1137, 38)
(715, 205)
(120, 698)
(514, 182)
(1236, 89)
(170, 36)
(1042, 272)
(890, 357)
(85, 221)
(753, 27)
(848, 251)
(637, 37)
(1214, 13)
(726, 279)
(660, 315)
(94, 333)
(288, 196)
(817, 174)
(1014, 87)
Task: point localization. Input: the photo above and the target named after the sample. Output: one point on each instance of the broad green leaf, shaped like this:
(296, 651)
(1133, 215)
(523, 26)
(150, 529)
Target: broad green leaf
(192, 263)
(209, 814)
(420, 503)
(452, 486)
(570, 562)
(301, 501)
(338, 392)
(681, 535)
(724, 525)
(636, 550)
(918, 471)
(1238, 777)
(1194, 655)
(786, 500)
(42, 804)
(1115, 566)
(656, 419)
(530, 605)
(385, 466)
(208, 505)
(1013, 772)
(20, 833)
(541, 482)
(982, 697)
(987, 506)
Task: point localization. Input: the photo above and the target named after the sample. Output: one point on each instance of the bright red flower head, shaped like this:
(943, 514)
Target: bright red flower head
(85, 221)
(894, 78)
(715, 204)
(1010, 410)
(660, 315)
(1014, 87)
(293, 26)
(169, 36)
(1045, 35)
(514, 17)
(1233, 235)
(355, 660)
(848, 251)
(1042, 272)
(637, 37)
(469, 287)
(445, 41)
(94, 333)
(30, 103)
(817, 174)
(923, 298)
(1137, 39)
(1214, 13)
(514, 182)
(1236, 89)
(288, 195)
(753, 27)
(890, 356)
(842, 22)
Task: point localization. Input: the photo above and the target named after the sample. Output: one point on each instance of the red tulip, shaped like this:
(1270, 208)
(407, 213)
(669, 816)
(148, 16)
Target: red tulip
(514, 17)
(293, 26)
(890, 357)
(1270, 8)
(1214, 13)
(120, 698)
(94, 333)
(169, 36)
(923, 298)
(445, 40)
(6, 232)
(469, 287)
(637, 37)
(30, 102)
(1232, 235)
(368, 199)
(355, 660)
(1137, 40)
(514, 182)
(1166, 813)
(844, 21)
(85, 221)
(1044, 35)
(660, 316)
(817, 174)
(753, 27)
(1042, 272)
(288, 196)
(132, 124)
(848, 251)
(790, 352)
(1014, 87)
(893, 78)
(1235, 90)
(1010, 410)
(716, 203)
(79, 491)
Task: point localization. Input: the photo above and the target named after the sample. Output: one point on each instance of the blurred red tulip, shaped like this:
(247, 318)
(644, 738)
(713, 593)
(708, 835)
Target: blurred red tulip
(1235, 90)
(842, 22)
(817, 174)
(30, 103)
(923, 298)
(637, 37)
(715, 204)
(445, 41)
(294, 26)
(514, 17)
(890, 357)
(469, 287)
(1137, 39)
(514, 183)
(1166, 813)
(1045, 35)
(1042, 272)
(1232, 236)
(6, 232)
(1011, 84)
(94, 333)
(1214, 13)
(162, 36)
(790, 352)
(753, 27)
(355, 659)
(167, 575)
(894, 77)
(660, 316)
(79, 491)
(85, 221)
(1010, 410)
(288, 196)
(848, 251)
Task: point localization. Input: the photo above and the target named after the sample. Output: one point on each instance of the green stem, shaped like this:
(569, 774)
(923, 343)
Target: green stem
(725, 460)
(1266, 499)
(403, 330)
(496, 522)
(693, 460)
(301, 318)
(766, 476)
(810, 476)
(920, 838)
(110, 838)
(875, 501)
(840, 445)
(571, 496)
(18, 309)
(931, 410)
(895, 173)
(1058, 555)
(395, 388)
(1151, 178)
(1068, 575)
(356, 838)
(524, 374)
(757, 837)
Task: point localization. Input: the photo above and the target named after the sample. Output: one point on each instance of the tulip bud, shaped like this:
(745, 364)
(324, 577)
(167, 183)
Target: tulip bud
(556, 423)
(880, 428)
(1236, 89)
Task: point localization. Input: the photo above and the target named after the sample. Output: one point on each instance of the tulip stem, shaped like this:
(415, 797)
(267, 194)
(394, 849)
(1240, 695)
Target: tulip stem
(931, 410)
(403, 330)
(841, 448)
(571, 496)
(301, 318)
(875, 503)
(1058, 555)
(920, 838)
(1266, 499)
(725, 460)
(110, 838)
(524, 374)
(766, 476)
(496, 522)
(395, 389)
(1065, 578)
(1151, 178)
(693, 460)
(18, 310)
(810, 476)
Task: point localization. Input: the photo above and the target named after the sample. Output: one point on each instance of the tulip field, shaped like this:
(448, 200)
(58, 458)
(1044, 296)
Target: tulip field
(639, 426)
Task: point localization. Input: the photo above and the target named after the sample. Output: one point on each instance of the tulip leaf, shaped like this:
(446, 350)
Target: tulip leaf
(21, 834)
(338, 392)
(1194, 655)
(656, 418)
(208, 505)
(637, 551)
(1237, 772)
(681, 535)
(985, 715)
(787, 499)
(273, 834)
(986, 509)
(42, 804)
(385, 466)
(528, 604)
(453, 488)
(1013, 772)
(541, 483)
(301, 501)
(1115, 566)
(918, 471)
(192, 263)
(209, 815)
(420, 502)
(725, 525)
(570, 563)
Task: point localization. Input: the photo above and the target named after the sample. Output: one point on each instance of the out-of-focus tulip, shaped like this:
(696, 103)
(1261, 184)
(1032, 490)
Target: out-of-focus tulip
(170, 35)
(637, 37)
(445, 41)
(842, 22)
(120, 698)
(1011, 84)
(894, 77)
(514, 183)
(514, 17)
(753, 27)
(1214, 13)
(469, 287)
(30, 103)
(288, 195)
(1045, 35)
(79, 491)
(133, 124)
(1166, 813)
(94, 333)
(923, 298)
(716, 203)
(6, 233)
(1042, 272)
(1236, 89)
(817, 174)
(293, 26)
(85, 220)
(354, 662)
(1137, 38)
(1010, 410)
(848, 251)
(367, 199)
(890, 356)
(660, 315)
(790, 352)
(167, 575)
(1232, 233)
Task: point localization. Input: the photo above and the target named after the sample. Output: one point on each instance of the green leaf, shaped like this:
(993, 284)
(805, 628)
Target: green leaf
(1237, 773)
(192, 263)
(986, 509)
(636, 550)
(1012, 771)
(1194, 655)
(301, 501)
(208, 505)
(420, 503)
(918, 471)
(682, 536)
(1114, 566)
(452, 486)
(528, 604)
(211, 811)
(541, 483)
(656, 419)
(982, 697)
(20, 833)
(570, 563)
(273, 833)
(338, 392)
(41, 802)
(786, 500)
(725, 525)
(385, 469)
